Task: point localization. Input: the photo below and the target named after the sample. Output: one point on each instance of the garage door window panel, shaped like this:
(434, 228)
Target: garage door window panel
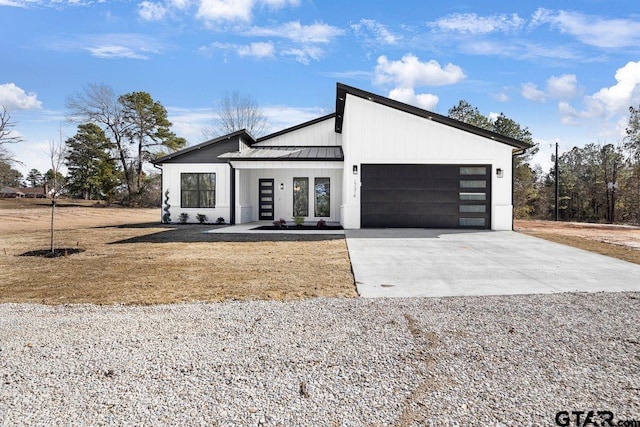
(473, 208)
(475, 183)
(473, 196)
(472, 222)
(473, 170)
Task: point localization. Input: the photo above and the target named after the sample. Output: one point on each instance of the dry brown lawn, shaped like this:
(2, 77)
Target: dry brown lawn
(130, 258)
(617, 241)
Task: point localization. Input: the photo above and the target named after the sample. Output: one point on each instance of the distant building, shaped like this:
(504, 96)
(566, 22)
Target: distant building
(31, 192)
(34, 192)
(10, 193)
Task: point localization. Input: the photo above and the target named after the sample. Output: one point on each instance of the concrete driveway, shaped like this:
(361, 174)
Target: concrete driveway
(433, 263)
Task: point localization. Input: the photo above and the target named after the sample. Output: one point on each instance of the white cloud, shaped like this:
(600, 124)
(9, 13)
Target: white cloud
(45, 3)
(531, 92)
(279, 4)
(593, 30)
(235, 10)
(626, 92)
(610, 105)
(304, 54)
(568, 114)
(15, 98)
(349, 74)
(282, 117)
(562, 87)
(257, 50)
(179, 4)
(12, 3)
(150, 11)
(190, 123)
(380, 32)
(471, 23)
(115, 51)
(502, 96)
(407, 95)
(318, 32)
(410, 72)
(225, 10)
(111, 45)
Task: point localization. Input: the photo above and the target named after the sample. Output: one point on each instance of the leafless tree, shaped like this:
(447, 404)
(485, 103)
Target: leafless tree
(57, 154)
(235, 112)
(7, 136)
(98, 104)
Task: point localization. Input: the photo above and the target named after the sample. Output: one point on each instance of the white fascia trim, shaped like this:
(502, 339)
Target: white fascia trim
(309, 164)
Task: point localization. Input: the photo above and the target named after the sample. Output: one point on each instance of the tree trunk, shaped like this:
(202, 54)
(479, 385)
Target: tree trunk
(53, 208)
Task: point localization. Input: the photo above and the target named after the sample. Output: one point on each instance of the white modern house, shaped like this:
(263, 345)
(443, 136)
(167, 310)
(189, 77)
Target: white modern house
(375, 162)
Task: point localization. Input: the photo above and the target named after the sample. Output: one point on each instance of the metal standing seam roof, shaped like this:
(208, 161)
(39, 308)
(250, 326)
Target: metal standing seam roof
(290, 153)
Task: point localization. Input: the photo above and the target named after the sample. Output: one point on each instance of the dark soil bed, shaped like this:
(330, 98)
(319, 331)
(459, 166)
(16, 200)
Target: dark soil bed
(58, 252)
(298, 227)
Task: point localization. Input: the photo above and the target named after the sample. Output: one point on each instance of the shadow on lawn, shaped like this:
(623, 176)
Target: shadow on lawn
(197, 233)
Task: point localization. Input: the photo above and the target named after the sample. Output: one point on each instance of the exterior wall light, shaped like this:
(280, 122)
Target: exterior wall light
(282, 186)
(499, 173)
(355, 169)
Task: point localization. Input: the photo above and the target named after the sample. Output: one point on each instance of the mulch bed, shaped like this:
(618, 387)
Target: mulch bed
(58, 252)
(298, 227)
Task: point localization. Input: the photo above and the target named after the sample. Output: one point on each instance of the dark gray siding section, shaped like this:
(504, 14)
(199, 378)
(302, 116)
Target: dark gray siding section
(207, 154)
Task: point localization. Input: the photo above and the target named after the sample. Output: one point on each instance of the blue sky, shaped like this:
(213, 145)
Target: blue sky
(568, 70)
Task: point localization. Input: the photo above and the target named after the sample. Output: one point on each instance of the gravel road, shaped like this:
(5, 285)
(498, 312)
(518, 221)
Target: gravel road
(499, 361)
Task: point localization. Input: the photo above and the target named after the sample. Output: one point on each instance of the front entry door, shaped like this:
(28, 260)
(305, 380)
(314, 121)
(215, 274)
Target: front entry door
(265, 199)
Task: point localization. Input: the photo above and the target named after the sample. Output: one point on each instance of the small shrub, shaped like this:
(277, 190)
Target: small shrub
(322, 224)
(220, 220)
(184, 217)
(281, 223)
(201, 218)
(298, 220)
(166, 217)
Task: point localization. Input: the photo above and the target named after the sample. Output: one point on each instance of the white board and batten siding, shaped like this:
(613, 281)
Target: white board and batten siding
(171, 181)
(375, 134)
(318, 134)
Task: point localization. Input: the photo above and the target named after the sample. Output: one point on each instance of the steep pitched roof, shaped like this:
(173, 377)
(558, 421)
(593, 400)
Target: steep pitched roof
(341, 98)
(297, 127)
(173, 157)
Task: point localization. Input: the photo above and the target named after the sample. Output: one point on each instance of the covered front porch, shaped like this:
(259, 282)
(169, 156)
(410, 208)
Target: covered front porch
(268, 191)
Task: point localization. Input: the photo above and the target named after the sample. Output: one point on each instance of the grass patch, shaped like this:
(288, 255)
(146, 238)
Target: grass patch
(624, 253)
(155, 264)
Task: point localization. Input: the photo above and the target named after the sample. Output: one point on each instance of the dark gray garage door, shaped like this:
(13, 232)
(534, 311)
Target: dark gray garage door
(426, 196)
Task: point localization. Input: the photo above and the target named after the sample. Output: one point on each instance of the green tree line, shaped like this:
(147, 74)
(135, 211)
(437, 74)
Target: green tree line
(597, 182)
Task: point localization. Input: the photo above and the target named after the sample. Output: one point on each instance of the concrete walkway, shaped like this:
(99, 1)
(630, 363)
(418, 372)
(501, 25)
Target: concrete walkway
(434, 263)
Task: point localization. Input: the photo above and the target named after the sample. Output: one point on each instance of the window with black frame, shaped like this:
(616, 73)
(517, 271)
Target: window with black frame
(198, 190)
(300, 196)
(322, 197)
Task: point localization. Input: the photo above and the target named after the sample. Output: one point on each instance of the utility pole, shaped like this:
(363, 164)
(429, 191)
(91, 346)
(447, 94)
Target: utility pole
(556, 183)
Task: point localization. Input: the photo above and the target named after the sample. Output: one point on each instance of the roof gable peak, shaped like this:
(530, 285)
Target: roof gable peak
(341, 98)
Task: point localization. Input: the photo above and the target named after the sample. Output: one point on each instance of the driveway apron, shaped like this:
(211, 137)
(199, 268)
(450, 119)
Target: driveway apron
(437, 263)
